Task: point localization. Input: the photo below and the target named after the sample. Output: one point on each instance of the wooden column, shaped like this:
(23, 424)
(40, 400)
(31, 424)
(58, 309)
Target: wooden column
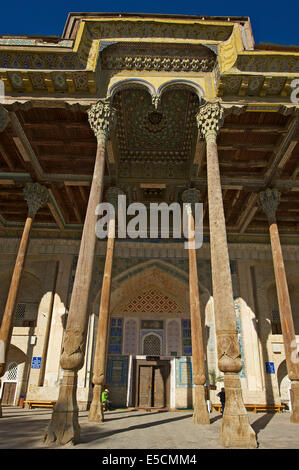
(36, 196)
(64, 425)
(200, 413)
(100, 357)
(236, 430)
(269, 200)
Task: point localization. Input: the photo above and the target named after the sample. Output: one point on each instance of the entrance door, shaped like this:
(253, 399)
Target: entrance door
(8, 394)
(152, 388)
(145, 385)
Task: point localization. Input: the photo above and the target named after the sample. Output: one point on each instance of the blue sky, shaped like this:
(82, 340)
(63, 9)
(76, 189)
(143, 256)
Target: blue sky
(276, 22)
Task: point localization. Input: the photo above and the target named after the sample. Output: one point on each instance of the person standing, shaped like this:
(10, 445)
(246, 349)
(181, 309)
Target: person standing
(221, 396)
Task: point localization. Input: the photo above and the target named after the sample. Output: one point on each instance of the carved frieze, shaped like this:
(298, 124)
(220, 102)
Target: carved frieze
(168, 58)
(167, 64)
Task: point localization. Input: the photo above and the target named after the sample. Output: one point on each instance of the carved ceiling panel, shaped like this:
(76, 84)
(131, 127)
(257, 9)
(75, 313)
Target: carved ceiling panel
(146, 136)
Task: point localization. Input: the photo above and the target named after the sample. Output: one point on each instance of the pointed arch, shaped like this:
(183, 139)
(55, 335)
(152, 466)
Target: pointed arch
(130, 83)
(183, 83)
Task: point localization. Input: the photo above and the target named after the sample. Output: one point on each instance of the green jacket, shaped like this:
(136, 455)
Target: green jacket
(105, 396)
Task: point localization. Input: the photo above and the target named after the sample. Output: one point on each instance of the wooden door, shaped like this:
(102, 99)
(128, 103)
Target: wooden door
(8, 393)
(145, 385)
(159, 387)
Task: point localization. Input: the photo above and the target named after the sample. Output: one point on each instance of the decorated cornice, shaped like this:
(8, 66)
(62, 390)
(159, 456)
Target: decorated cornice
(38, 66)
(23, 81)
(268, 61)
(7, 41)
(254, 85)
(158, 57)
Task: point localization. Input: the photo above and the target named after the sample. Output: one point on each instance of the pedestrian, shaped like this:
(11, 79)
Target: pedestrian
(105, 399)
(221, 396)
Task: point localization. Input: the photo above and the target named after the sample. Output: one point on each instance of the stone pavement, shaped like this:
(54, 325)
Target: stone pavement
(123, 429)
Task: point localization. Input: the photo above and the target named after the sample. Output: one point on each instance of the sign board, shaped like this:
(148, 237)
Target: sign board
(36, 362)
(270, 369)
(152, 358)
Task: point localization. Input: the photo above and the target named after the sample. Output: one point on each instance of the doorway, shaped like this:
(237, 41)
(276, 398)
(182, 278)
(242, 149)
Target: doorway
(8, 393)
(151, 382)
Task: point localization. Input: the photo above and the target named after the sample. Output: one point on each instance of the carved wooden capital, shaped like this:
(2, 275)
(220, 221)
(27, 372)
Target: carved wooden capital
(112, 196)
(191, 196)
(269, 200)
(210, 118)
(36, 197)
(101, 117)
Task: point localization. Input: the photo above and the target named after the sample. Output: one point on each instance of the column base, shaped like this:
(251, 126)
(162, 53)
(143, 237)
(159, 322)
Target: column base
(236, 430)
(295, 402)
(200, 413)
(64, 425)
(96, 411)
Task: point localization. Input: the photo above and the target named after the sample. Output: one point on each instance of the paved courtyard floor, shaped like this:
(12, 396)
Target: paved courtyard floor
(123, 429)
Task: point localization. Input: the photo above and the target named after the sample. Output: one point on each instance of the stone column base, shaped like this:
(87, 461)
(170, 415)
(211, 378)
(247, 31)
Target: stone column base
(200, 413)
(236, 430)
(96, 411)
(64, 425)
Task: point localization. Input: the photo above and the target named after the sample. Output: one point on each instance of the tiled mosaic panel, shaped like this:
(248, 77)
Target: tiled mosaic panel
(115, 338)
(186, 338)
(152, 301)
(173, 337)
(117, 370)
(130, 337)
(183, 372)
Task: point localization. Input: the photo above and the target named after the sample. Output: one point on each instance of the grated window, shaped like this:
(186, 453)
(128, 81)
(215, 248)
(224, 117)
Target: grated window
(12, 371)
(152, 345)
(20, 310)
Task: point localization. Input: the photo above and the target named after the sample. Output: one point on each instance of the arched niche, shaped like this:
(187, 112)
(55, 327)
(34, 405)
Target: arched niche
(29, 297)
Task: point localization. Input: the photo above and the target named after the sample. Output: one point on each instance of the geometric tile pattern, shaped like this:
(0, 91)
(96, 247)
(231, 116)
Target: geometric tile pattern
(152, 301)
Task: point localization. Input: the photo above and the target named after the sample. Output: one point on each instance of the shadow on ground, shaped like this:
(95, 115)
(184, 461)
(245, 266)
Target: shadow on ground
(89, 435)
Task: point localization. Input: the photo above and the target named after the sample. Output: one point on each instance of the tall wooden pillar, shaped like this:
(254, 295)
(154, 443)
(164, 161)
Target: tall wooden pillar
(236, 430)
(64, 425)
(269, 200)
(200, 413)
(36, 196)
(100, 357)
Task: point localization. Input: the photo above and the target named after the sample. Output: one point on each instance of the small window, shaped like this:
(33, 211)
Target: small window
(152, 345)
(12, 371)
(20, 310)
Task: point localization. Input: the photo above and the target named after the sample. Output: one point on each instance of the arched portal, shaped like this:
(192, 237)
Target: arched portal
(149, 342)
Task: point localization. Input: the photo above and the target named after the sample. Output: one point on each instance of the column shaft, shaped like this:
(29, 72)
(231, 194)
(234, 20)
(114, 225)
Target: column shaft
(201, 414)
(64, 425)
(236, 430)
(8, 317)
(36, 196)
(286, 319)
(99, 371)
